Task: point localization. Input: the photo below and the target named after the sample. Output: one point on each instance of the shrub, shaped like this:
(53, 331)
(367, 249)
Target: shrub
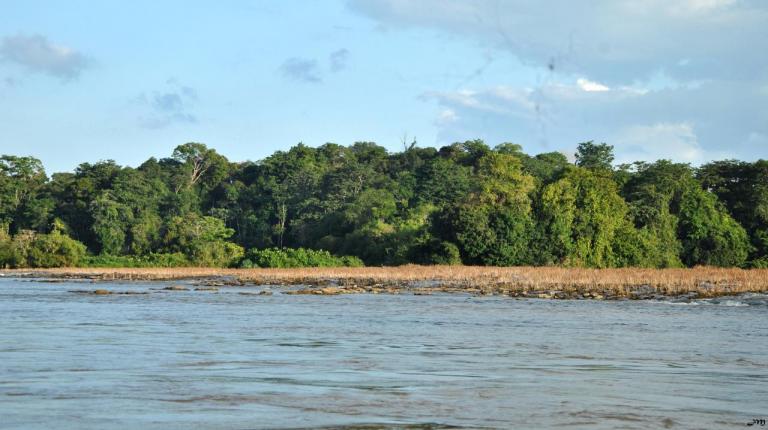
(204, 239)
(55, 250)
(30, 249)
(300, 257)
(216, 254)
(758, 263)
(436, 251)
(140, 261)
(9, 255)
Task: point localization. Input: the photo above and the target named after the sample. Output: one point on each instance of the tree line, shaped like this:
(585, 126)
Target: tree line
(465, 203)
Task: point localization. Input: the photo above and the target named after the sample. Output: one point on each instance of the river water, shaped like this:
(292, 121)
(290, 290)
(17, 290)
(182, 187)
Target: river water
(227, 360)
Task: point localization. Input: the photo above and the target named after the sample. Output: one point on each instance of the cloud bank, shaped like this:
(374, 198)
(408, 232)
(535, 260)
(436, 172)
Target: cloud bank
(38, 55)
(680, 79)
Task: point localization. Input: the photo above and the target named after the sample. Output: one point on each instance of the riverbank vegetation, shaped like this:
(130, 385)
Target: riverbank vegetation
(539, 282)
(465, 203)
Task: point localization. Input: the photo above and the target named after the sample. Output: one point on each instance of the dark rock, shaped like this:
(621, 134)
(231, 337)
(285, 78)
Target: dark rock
(642, 292)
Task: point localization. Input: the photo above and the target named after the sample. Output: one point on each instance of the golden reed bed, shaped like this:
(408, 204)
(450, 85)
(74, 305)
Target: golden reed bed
(554, 282)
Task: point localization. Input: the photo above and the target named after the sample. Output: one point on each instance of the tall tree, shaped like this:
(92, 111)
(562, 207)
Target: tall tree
(594, 156)
(21, 181)
(582, 218)
(743, 188)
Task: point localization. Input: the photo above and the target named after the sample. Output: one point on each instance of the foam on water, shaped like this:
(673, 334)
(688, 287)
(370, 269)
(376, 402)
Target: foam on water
(750, 299)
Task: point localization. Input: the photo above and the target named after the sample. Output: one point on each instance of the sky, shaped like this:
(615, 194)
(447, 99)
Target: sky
(84, 81)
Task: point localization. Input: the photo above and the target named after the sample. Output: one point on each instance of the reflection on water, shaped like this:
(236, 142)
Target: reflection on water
(206, 359)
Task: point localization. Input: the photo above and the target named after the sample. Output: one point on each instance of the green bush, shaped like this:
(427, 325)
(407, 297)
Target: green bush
(299, 257)
(10, 256)
(150, 260)
(216, 254)
(436, 251)
(55, 250)
(30, 249)
(758, 263)
(204, 240)
(14, 249)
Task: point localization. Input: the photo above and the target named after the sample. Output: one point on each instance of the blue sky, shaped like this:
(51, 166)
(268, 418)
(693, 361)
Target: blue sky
(87, 81)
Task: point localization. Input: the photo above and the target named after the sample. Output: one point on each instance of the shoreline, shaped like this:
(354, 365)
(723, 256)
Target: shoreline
(528, 282)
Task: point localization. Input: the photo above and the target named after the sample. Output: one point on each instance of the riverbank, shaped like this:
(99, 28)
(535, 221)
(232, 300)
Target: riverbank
(540, 282)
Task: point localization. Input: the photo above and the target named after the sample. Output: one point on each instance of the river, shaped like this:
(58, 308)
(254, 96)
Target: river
(228, 360)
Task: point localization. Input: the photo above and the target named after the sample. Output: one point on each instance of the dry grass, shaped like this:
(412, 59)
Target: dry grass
(567, 282)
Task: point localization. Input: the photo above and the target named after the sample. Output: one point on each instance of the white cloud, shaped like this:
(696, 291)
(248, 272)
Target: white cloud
(498, 100)
(37, 54)
(673, 141)
(447, 116)
(684, 124)
(591, 86)
(698, 6)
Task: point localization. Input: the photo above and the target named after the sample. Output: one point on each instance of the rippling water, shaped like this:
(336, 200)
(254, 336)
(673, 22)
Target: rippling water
(225, 360)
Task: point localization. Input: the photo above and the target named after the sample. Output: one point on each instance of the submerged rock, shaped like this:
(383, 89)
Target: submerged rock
(327, 291)
(642, 292)
(176, 288)
(103, 292)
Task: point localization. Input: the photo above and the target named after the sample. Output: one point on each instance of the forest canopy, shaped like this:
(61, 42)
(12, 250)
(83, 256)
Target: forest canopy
(465, 203)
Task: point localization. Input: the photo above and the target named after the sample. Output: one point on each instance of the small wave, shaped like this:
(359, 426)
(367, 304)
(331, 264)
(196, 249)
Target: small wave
(732, 303)
(668, 302)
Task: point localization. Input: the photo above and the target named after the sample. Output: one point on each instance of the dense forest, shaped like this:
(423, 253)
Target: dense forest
(465, 203)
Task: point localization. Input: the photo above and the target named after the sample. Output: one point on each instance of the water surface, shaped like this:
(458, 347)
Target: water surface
(226, 360)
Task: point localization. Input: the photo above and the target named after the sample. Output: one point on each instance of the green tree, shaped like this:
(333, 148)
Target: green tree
(708, 234)
(743, 189)
(590, 155)
(199, 165)
(493, 224)
(582, 219)
(110, 222)
(666, 197)
(545, 167)
(21, 181)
